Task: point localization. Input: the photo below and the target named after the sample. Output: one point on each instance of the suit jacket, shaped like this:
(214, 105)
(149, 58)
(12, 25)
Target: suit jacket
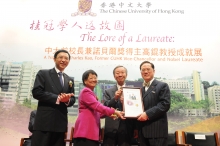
(31, 121)
(112, 126)
(51, 116)
(87, 124)
(156, 101)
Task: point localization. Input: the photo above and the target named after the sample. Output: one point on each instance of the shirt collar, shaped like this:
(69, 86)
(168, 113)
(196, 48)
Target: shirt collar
(118, 86)
(151, 81)
(57, 70)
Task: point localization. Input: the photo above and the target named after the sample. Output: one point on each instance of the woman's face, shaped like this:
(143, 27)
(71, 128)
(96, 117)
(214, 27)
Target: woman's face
(91, 81)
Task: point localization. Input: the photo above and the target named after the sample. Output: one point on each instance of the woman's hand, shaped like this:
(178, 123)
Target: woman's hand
(120, 114)
(114, 116)
(117, 114)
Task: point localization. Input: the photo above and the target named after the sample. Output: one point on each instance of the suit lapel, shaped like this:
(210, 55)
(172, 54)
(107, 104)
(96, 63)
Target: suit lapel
(55, 79)
(66, 82)
(152, 86)
(143, 91)
(114, 90)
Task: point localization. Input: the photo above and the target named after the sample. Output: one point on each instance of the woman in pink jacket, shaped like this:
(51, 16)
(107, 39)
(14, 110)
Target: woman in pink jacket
(86, 130)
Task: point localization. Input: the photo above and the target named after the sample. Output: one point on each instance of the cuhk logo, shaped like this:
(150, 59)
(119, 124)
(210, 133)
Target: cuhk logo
(84, 8)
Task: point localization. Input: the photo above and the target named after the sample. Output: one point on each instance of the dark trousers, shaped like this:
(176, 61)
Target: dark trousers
(123, 137)
(85, 142)
(152, 141)
(118, 140)
(42, 138)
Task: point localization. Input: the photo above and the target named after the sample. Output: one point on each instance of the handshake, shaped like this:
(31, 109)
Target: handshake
(118, 114)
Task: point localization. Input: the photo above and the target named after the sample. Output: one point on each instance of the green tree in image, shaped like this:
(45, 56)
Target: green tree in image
(140, 79)
(178, 103)
(27, 102)
(207, 104)
(214, 83)
(206, 84)
(98, 92)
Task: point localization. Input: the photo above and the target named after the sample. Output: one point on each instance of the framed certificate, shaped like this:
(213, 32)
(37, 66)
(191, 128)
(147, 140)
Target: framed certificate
(133, 105)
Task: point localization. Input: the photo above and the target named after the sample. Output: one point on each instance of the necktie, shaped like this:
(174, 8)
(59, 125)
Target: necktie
(146, 84)
(61, 78)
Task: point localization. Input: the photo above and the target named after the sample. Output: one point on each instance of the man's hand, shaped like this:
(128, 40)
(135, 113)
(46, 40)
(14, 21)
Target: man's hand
(65, 97)
(143, 117)
(118, 94)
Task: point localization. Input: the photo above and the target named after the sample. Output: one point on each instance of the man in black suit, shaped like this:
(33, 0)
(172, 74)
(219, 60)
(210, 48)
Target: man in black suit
(30, 127)
(117, 132)
(153, 123)
(31, 121)
(54, 91)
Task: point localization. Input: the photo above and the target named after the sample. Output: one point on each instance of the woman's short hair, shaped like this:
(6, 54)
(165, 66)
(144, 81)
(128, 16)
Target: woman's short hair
(86, 75)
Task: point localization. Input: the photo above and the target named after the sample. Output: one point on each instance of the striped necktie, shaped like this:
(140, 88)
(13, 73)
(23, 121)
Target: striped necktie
(61, 78)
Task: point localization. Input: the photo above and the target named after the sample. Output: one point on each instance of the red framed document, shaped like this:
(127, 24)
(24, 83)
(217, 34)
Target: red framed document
(133, 105)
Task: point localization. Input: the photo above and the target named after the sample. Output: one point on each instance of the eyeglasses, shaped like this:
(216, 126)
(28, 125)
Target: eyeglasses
(146, 70)
(117, 73)
(93, 78)
(62, 57)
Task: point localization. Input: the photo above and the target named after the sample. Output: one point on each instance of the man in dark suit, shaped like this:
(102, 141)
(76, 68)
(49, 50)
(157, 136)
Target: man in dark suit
(54, 91)
(117, 132)
(31, 121)
(30, 127)
(153, 124)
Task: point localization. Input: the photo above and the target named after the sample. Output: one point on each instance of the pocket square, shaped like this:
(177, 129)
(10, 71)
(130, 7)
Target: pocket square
(153, 91)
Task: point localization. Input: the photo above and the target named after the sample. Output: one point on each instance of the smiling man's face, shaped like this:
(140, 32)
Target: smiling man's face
(61, 61)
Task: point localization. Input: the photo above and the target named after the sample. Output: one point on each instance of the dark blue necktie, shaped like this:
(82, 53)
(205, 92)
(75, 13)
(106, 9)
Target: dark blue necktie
(61, 79)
